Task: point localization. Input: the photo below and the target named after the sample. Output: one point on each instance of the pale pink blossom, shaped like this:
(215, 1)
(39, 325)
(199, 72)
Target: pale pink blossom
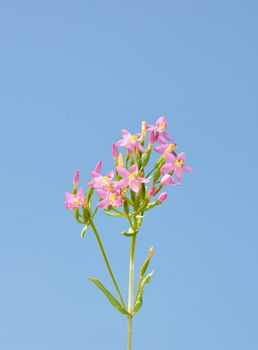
(74, 200)
(131, 178)
(158, 131)
(109, 198)
(131, 142)
(176, 164)
(99, 181)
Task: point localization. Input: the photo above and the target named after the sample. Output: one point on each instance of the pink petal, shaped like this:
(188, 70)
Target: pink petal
(167, 136)
(122, 183)
(187, 168)
(103, 204)
(140, 148)
(179, 173)
(125, 132)
(133, 169)
(134, 186)
(122, 171)
(161, 120)
(170, 157)
(181, 155)
(122, 142)
(166, 180)
(101, 193)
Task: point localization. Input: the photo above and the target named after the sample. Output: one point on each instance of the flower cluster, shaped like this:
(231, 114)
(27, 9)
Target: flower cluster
(127, 185)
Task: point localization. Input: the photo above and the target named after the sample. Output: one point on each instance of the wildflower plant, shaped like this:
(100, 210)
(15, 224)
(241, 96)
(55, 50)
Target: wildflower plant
(133, 188)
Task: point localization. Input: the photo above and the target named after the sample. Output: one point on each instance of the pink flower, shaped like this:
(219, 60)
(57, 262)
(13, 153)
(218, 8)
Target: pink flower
(162, 197)
(131, 178)
(99, 181)
(176, 164)
(76, 178)
(108, 197)
(130, 142)
(165, 147)
(158, 132)
(74, 200)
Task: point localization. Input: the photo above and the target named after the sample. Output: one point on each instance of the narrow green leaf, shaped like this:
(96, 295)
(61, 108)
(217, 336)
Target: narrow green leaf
(111, 214)
(84, 230)
(139, 300)
(110, 297)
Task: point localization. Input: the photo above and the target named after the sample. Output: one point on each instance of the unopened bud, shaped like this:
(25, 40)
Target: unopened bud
(162, 197)
(151, 251)
(76, 177)
(120, 161)
(166, 180)
(152, 138)
(115, 151)
(144, 129)
(151, 191)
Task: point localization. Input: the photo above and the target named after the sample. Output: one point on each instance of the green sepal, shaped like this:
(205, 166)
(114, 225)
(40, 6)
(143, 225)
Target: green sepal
(130, 232)
(146, 157)
(86, 214)
(139, 300)
(89, 193)
(84, 230)
(109, 296)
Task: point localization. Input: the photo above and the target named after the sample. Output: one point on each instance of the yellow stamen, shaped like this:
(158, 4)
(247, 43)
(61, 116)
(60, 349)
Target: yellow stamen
(179, 162)
(112, 197)
(105, 179)
(132, 176)
(133, 138)
(162, 127)
(171, 147)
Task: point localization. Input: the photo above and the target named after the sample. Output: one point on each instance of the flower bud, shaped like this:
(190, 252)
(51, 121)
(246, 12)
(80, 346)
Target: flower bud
(166, 180)
(76, 177)
(151, 191)
(152, 138)
(144, 129)
(162, 197)
(150, 253)
(120, 161)
(115, 151)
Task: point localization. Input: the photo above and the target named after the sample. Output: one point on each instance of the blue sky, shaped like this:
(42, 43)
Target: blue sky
(72, 74)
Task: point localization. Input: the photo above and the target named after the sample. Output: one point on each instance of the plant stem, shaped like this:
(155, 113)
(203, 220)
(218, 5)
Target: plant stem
(130, 292)
(107, 262)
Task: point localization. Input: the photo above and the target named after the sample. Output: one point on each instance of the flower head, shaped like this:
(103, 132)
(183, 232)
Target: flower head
(131, 142)
(176, 163)
(130, 178)
(99, 181)
(158, 132)
(109, 197)
(74, 200)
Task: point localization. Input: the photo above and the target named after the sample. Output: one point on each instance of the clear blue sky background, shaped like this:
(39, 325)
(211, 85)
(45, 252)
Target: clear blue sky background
(72, 74)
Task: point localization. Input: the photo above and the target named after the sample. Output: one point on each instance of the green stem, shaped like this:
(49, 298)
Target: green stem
(130, 292)
(107, 262)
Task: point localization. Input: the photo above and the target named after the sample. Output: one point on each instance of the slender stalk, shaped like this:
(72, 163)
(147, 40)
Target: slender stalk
(107, 262)
(130, 292)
